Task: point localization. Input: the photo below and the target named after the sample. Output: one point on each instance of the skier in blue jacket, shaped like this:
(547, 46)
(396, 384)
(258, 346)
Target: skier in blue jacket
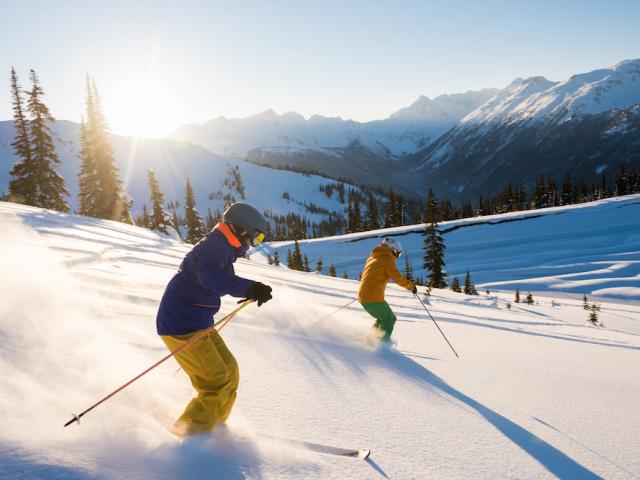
(187, 307)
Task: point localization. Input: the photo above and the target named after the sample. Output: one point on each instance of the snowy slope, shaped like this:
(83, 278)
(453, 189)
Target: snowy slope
(535, 394)
(173, 162)
(591, 248)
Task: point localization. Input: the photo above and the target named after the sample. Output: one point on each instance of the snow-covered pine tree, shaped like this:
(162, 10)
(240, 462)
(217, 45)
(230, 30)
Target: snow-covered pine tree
(408, 269)
(593, 317)
(529, 299)
(319, 265)
(269, 259)
(373, 222)
(276, 258)
(289, 259)
(159, 220)
(455, 285)
(39, 176)
(297, 262)
(433, 244)
(332, 271)
(357, 215)
(469, 287)
(345, 275)
(390, 210)
(125, 211)
(100, 188)
(517, 297)
(175, 222)
(193, 220)
(23, 185)
(305, 263)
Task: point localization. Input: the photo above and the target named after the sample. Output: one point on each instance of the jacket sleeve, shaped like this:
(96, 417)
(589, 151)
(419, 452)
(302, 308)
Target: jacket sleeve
(395, 275)
(212, 273)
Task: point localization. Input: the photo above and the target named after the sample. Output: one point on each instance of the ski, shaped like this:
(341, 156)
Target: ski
(362, 453)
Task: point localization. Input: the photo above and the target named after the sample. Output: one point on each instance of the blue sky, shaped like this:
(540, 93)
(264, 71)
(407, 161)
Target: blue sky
(161, 64)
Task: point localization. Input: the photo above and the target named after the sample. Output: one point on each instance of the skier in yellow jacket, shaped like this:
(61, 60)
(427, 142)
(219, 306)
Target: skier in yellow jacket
(379, 269)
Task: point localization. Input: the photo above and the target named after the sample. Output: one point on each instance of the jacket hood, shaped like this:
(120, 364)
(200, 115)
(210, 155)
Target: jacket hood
(381, 250)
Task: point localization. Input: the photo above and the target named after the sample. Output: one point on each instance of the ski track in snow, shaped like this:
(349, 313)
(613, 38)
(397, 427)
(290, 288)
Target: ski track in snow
(537, 393)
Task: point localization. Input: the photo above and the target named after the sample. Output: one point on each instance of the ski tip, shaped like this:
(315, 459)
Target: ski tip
(364, 453)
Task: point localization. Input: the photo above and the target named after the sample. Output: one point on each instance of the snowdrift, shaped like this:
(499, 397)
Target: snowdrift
(537, 393)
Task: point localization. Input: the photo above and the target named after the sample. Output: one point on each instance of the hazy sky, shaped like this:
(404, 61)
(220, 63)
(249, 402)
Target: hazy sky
(161, 64)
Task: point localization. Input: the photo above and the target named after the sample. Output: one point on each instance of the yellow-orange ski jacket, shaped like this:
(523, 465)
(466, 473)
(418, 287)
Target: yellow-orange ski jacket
(380, 267)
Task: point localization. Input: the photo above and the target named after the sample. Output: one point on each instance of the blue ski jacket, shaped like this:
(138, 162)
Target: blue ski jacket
(206, 273)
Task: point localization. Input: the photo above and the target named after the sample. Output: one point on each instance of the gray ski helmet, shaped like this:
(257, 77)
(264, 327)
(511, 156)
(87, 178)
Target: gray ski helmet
(245, 217)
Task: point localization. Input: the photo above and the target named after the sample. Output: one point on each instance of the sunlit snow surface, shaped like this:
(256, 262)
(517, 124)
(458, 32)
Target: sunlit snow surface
(536, 393)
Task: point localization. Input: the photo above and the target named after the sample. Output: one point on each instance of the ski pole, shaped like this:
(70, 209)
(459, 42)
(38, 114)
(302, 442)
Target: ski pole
(204, 333)
(423, 306)
(341, 308)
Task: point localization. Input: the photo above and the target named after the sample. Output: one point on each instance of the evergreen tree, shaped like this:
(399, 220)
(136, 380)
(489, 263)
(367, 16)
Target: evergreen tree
(125, 211)
(276, 258)
(175, 222)
(585, 302)
(357, 215)
(455, 285)
(269, 259)
(408, 269)
(297, 262)
(289, 258)
(529, 299)
(345, 275)
(567, 196)
(193, 220)
(159, 219)
(305, 263)
(22, 186)
(211, 221)
(517, 298)
(36, 181)
(433, 245)
(373, 222)
(469, 287)
(100, 188)
(146, 218)
(593, 317)
(319, 266)
(332, 271)
(390, 211)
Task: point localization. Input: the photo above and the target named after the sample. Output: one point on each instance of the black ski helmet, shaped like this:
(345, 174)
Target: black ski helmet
(245, 217)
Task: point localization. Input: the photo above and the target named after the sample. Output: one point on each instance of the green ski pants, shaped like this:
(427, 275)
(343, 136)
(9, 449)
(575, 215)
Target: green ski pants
(385, 318)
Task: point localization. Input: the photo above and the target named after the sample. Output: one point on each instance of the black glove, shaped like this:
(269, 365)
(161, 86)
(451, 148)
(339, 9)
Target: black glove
(414, 290)
(259, 292)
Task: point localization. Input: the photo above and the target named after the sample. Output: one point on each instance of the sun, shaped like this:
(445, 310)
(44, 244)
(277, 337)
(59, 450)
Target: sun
(142, 108)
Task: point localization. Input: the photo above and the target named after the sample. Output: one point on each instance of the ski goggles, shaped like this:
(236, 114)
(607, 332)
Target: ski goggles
(257, 239)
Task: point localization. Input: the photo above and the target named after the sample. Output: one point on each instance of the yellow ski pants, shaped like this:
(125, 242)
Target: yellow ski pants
(213, 372)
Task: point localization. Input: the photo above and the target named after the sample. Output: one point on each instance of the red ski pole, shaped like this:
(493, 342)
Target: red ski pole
(204, 333)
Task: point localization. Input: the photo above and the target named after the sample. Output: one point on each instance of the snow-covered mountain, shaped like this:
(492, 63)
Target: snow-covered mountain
(586, 125)
(536, 393)
(405, 131)
(174, 161)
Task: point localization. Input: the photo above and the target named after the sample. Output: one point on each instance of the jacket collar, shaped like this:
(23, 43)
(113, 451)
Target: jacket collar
(228, 234)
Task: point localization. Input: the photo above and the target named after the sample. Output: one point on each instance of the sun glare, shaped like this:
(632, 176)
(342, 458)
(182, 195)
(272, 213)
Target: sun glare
(141, 109)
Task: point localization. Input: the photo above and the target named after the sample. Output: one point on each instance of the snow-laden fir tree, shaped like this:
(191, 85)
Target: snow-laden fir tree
(332, 271)
(276, 258)
(319, 266)
(193, 220)
(159, 220)
(433, 244)
(100, 188)
(35, 180)
(517, 297)
(305, 263)
(408, 269)
(469, 287)
(373, 222)
(22, 186)
(529, 299)
(455, 285)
